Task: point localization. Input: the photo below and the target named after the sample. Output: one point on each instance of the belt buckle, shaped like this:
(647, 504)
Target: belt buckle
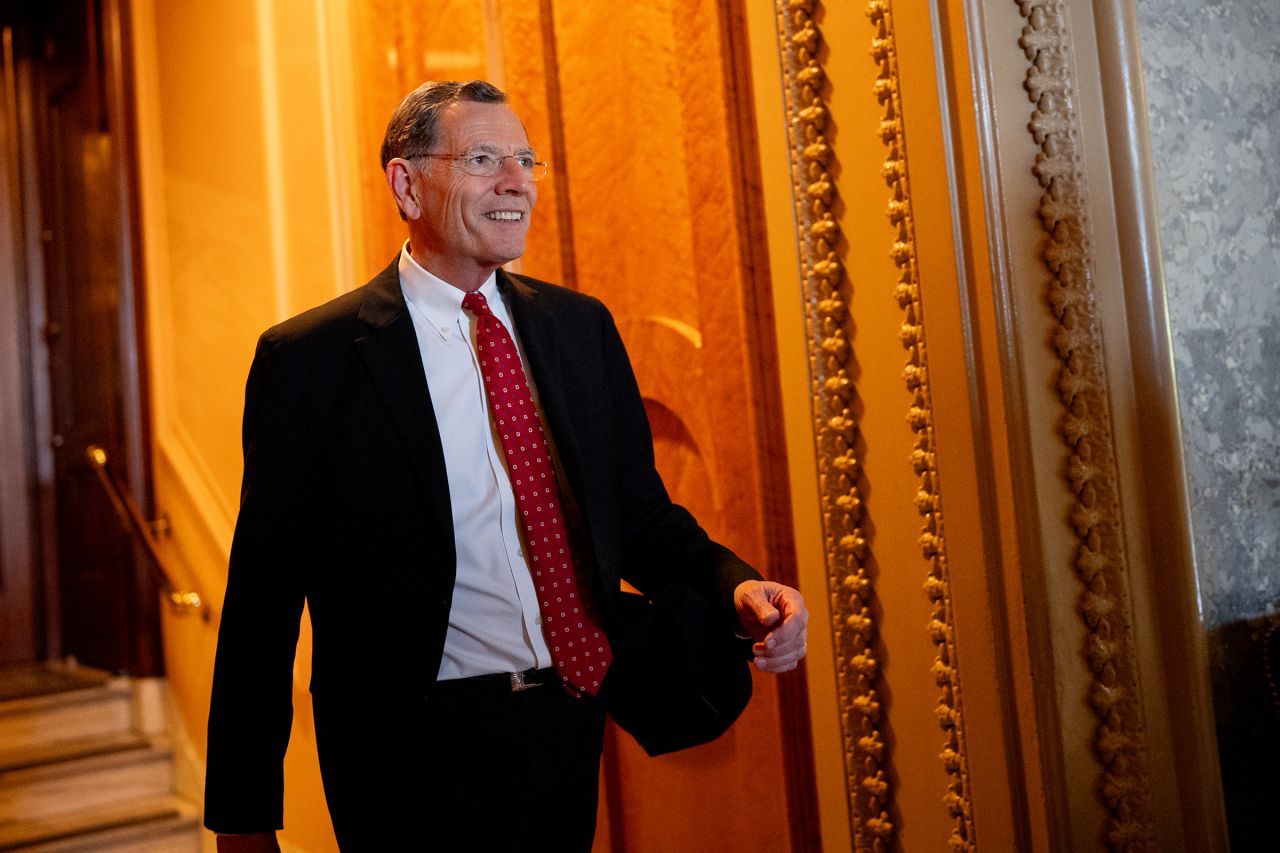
(518, 684)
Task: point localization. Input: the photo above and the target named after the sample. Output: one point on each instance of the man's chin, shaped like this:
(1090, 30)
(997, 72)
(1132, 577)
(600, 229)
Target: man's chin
(509, 255)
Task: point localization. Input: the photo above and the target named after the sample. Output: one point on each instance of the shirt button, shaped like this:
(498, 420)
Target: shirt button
(444, 329)
(538, 621)
(520, 554)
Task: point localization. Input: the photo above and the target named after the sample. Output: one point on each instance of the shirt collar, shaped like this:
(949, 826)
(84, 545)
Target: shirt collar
(437, 300)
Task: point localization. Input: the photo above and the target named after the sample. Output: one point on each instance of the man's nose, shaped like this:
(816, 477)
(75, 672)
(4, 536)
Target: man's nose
(512, 177)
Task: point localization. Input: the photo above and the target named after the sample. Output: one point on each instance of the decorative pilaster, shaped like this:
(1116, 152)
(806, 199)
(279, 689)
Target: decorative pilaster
(1089, 466)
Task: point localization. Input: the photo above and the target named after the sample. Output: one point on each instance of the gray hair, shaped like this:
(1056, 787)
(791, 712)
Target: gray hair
(413, 128)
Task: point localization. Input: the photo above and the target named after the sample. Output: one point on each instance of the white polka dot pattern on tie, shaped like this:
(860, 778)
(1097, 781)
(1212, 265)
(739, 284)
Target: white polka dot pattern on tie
(538, 501)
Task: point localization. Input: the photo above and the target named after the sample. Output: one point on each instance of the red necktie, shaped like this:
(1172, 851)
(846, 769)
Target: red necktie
(579, 648)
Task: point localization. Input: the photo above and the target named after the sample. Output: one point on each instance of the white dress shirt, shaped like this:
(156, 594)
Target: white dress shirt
(494, 623)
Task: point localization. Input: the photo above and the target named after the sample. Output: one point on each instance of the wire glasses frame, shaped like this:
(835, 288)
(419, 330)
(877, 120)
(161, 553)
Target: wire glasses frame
(483, 164)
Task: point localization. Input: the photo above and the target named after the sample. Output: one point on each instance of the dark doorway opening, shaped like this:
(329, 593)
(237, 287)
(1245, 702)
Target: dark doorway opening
(74, 582)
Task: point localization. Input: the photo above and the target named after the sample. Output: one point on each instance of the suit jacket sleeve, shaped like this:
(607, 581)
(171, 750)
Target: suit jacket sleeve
(251, 707)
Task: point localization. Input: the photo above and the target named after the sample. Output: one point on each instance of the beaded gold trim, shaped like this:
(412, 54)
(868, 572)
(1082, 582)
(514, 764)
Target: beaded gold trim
(920, 417)
(835, 425)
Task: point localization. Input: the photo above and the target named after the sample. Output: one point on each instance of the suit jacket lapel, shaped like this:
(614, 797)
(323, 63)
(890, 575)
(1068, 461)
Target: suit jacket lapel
(536, 327)
(390, 351)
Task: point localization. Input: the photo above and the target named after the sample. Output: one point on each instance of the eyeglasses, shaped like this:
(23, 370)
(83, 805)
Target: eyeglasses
(486, 164)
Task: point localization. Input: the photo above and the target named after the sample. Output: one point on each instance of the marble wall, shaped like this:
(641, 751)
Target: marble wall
(1212, 74)
(1212, 71)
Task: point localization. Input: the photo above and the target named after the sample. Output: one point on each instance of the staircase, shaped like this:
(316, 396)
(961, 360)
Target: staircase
(76, 773)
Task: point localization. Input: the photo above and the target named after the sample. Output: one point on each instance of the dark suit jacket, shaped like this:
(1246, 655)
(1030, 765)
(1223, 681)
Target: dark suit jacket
(345, 505)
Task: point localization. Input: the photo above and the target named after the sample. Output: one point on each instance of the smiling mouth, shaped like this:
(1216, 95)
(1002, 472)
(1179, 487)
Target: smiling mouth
(505, 216)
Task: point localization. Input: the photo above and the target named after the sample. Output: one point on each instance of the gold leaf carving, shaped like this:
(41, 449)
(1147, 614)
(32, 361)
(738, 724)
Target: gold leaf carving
(932, 539)
(1089, 469)
(835, 427)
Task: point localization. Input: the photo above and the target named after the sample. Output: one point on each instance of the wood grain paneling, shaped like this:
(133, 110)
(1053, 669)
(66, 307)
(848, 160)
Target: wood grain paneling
(392, 52)
(655, 189)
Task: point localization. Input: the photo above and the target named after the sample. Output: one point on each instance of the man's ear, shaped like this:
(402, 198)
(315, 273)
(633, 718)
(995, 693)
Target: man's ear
(400, 179)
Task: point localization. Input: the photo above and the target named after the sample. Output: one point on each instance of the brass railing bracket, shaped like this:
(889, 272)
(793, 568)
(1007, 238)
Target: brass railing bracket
(181, 601)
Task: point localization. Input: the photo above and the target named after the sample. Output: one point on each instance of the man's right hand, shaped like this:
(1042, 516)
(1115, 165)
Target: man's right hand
(257, 842)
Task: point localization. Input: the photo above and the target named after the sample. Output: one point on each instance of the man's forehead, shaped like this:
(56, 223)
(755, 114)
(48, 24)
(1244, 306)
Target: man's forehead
(472, 124)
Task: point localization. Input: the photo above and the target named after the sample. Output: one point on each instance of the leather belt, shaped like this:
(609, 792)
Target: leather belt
(514, 682)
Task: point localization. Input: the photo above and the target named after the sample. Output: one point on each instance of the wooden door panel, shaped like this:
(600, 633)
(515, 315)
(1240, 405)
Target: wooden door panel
(108, 603)
(21, 635)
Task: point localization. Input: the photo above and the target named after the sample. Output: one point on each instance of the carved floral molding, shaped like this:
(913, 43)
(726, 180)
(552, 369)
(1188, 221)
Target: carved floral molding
(1089, 469)
(920, 418)
(835, 425)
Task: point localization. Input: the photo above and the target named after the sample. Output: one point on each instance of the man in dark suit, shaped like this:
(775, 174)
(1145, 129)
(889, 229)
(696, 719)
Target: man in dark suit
(383, 486)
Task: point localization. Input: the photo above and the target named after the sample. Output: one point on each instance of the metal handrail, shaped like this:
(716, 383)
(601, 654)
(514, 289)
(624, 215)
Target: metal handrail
(182, 601)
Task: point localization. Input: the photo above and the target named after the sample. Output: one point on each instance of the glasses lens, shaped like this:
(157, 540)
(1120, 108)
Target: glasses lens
(483, 165)
(479, 164)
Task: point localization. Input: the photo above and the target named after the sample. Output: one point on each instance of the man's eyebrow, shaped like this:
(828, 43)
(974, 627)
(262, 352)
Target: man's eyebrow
(496, 150)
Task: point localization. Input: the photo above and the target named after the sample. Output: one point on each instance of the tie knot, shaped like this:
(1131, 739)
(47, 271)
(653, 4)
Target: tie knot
(476, 303)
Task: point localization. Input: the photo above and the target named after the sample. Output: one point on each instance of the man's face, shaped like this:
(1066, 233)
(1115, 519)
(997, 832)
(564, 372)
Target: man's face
(467, 226)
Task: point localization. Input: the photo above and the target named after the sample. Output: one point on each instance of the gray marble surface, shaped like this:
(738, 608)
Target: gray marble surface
(1212, 73)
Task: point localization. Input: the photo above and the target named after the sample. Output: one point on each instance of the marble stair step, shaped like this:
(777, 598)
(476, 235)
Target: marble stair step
(46, 780)
(164, 824)
(69, 715)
